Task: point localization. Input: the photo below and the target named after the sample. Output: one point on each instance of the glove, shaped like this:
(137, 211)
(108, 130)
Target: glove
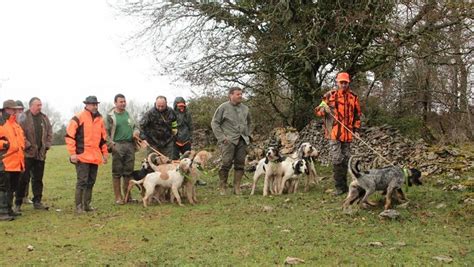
(174, 131)
(325, 107)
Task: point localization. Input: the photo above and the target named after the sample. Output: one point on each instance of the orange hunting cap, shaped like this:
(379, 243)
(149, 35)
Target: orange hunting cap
(343, 77)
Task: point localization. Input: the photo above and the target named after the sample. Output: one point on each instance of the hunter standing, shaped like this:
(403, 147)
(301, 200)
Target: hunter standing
(12, 159)
(159, 127)
(86, 144)
(121, 131)
(231, 125)
(340, 110)
(39, 137)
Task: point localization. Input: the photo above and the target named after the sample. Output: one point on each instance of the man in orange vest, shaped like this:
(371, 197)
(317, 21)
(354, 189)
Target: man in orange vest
(86, 144)
(340, 110)
(12, 159)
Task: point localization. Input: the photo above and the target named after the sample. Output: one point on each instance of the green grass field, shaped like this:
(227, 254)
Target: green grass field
(236, 230)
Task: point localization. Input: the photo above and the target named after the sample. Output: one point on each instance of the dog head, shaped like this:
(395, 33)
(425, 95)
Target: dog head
(300, 167)
(272, 154)
(414, 177)
(201, 158)
(307, 150)
(185, 165)
(145, 164)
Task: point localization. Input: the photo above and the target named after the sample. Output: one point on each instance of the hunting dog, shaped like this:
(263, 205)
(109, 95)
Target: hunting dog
(307, 152)
(138, 175)
(388, 179)
(166, 178)
(291, 174)
(274, 166)
(259, 171)
(188, 186)
(147, 166)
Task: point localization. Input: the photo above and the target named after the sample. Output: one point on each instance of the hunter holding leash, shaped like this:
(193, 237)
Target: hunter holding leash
(159, 127)
(341, 113)
(121, 132)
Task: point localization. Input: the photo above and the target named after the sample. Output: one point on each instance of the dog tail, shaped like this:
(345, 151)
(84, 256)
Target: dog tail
(139, 182)
(354, 169)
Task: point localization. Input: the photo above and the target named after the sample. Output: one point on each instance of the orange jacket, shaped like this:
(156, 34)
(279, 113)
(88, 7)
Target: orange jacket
(12, 144)
(345, 107)
(85, 137)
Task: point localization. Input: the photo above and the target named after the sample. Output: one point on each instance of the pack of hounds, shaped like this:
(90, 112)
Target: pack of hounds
(160, 180)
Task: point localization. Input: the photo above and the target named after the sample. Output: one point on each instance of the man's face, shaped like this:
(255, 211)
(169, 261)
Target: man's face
(121, 103)
(343, 85)
(92, 107)
(161, 104)
(19, 111)
(236, 97)
(9, 111)
(35, 107)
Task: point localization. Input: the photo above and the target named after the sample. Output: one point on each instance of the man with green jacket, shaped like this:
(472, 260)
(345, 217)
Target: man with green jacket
(121, 130)
(231, 126)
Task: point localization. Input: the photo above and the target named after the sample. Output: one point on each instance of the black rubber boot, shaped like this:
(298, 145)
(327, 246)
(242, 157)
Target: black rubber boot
(340, 179)
(87, 198)
(78, 201)
(4, 210)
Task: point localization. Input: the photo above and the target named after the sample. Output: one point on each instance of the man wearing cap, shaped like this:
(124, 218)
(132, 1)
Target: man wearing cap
(19, 111)
(12, 159)
(121, 131)
(86, 144)
(158, 127)
(340, 110)
(39, 137)
(231, 125)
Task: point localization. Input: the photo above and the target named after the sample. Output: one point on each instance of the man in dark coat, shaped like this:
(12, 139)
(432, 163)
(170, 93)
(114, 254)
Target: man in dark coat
(159, 127)
(39, 137)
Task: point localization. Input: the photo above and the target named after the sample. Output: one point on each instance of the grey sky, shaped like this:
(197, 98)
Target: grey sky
(62, 51)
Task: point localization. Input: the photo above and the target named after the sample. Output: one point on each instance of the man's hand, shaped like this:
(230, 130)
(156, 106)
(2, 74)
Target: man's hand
(104, 159)
(325, 107)
(73, 158)
(136, 135)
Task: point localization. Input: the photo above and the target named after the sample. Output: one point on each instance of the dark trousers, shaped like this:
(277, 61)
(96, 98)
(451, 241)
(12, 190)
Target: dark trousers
(34, 170)
(9, 184)
(233, 154)
(178, 150)
(86, 175)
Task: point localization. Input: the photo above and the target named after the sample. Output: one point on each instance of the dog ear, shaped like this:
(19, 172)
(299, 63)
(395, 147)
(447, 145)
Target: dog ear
(415, 176)
(266, 160)
(301, 151)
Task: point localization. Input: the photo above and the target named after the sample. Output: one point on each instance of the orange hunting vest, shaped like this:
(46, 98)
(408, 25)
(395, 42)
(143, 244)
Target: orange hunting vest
(345, 107)
(85, 137)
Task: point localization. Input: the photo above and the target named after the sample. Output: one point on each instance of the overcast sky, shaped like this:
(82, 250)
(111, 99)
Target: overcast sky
(62, 51)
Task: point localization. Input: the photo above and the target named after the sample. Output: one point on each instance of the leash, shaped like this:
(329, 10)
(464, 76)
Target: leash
(405, 170)
(140, 141)
(360, 139)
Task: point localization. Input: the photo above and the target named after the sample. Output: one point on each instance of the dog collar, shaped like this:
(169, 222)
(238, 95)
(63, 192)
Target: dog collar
(185, 175)
(406, 174)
